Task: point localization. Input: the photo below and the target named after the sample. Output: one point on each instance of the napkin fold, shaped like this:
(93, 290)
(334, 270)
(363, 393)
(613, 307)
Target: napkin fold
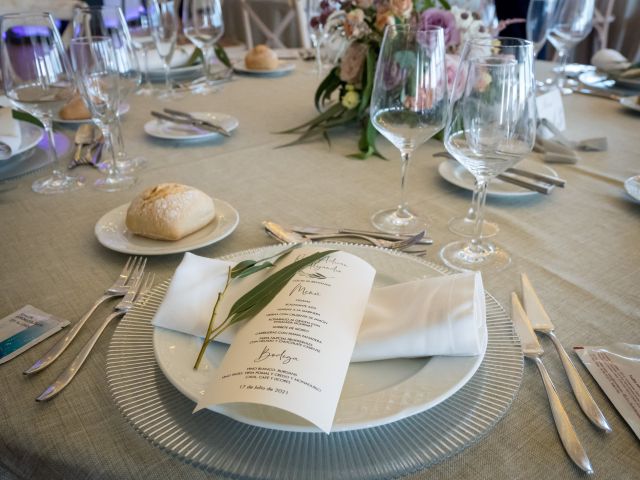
(559, 149)
(432, 316)
(9, 131)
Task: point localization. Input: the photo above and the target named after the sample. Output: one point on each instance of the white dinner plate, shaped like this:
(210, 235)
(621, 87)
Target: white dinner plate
(455, 173)
(631, 102)
(632, 187)
(374, 393)
(112, 232)
(30, 136)
(122, 109)
(283, 69)
(175, 131)
(597, 79)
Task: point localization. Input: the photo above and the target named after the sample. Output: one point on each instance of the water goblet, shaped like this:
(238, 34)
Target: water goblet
(202, 24)
(38, 79)
(97, 78)
(163, 20)
(491, 125)
(572, 23)
(408, 105)
(109, 21)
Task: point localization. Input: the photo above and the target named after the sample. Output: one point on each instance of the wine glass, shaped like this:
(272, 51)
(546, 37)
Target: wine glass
(408, 105)
(317, 13)
(572, 22)
(38, 79)
(110, 22)
(539, 17)
(202, 24)
(140, 30)
(97, 78)
(163, 20)
(490, 127)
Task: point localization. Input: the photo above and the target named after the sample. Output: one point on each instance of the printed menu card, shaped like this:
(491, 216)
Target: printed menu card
(295, 353)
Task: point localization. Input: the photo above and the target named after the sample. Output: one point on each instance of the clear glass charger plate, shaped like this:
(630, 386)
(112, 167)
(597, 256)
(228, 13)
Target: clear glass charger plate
(219, 444)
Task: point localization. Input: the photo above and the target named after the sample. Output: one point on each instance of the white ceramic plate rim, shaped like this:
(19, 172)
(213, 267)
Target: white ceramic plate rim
(595, 78)
(175, 353)
(631, 102)
(283, 67)
(30, 136)
(455, 173)
(112, 233)
(122, 109)
(153, 127)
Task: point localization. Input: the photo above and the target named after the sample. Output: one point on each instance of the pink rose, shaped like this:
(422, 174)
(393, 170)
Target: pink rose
(352, 63)
(401, 8)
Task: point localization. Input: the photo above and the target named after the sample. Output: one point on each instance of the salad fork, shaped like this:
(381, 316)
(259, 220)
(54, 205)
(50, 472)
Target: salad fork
(118, 289)
(137, 292)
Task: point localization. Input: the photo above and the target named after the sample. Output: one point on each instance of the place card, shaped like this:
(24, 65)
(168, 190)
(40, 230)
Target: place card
(616, 368)
(549, 106)
(295, 353)
(25, 328)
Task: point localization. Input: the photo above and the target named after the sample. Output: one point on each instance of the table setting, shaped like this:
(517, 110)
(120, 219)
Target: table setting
(228, 295)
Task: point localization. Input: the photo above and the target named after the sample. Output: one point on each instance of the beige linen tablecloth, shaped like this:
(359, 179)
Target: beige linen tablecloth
(580, 247)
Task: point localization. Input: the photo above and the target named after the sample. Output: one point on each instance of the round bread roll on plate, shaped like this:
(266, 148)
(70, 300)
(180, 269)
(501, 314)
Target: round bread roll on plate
(261, 57)
(169, 211)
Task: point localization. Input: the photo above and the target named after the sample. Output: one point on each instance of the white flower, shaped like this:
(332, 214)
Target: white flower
(464, 19)
(477, 29)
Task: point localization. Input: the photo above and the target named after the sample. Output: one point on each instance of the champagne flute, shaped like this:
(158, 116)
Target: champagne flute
(38, 79)
(110, 22)
(98, 77)
(408, 105)
(490, 127)
(572, 23)
(202, 24)
(163, 20)
(539, 17)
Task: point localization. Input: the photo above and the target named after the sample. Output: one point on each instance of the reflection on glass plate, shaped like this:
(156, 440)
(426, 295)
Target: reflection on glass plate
(631, 102)
(455, 173)
(112, 232)
(221, 445)
(176, 131)
(30, 136)
(283, 69)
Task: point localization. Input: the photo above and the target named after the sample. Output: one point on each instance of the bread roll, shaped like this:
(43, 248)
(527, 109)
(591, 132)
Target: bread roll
(261, 57)
(169, 211)
(75, 110)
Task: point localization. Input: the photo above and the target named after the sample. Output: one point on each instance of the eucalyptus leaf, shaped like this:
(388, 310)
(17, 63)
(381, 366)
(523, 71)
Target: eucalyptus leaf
(405, 58)
(255, 268)
(222, 55)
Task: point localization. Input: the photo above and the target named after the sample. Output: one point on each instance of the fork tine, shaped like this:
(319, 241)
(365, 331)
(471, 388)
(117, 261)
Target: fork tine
(126, 271)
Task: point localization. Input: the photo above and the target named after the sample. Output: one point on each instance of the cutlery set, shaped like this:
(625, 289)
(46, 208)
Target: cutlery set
(185, 118)
(89, 143)
(132, 286)
(533, 318)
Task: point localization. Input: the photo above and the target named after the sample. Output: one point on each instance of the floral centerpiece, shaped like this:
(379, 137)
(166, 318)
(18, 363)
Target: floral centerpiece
(363, 23)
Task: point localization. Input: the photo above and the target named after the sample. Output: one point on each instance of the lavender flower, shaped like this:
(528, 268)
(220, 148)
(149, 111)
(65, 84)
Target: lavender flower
(435, 17)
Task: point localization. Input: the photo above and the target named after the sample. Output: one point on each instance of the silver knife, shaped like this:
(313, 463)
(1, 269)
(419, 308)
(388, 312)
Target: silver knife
(543, 188)
(282, 234)
(541, 322)
(311, 230)
(532, 350)
(194, 122)
(538, 176)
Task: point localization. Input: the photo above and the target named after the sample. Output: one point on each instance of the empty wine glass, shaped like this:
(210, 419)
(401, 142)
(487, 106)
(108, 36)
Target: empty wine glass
(317, 13)
(572, 22)
(202, 24)
(110, 22)
(138, 23)
(408, 105)
(163, 20)
(38, 79)
(540, 14)
(98, 78)
(490, 127)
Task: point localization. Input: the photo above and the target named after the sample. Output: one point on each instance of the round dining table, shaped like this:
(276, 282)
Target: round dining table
(579, 245)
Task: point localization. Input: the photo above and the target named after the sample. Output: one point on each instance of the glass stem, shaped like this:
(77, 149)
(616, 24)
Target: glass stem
(112, 166)
(51, 151)
(471, 213)
(119, 143)
(167, 84)
(145, 54)
(207, 52)
(476, 241)
(404, 167)
(561, 73)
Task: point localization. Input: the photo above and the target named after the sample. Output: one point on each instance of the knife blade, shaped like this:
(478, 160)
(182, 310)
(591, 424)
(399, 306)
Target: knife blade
(282, 234)
(196, 123)
(311, 230)
(540, 321)
(560, 182)
(188, 116)
(543, 188)
(532, 350)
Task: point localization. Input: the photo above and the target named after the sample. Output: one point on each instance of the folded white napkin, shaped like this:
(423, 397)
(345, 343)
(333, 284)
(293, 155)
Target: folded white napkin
(9, 130)
(609, 60)
(559, 149)
(179, 59)
(434, 316)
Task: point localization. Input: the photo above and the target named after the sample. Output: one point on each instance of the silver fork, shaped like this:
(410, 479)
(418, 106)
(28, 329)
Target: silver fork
(378, 242)
(118, 289)
(137, 292)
